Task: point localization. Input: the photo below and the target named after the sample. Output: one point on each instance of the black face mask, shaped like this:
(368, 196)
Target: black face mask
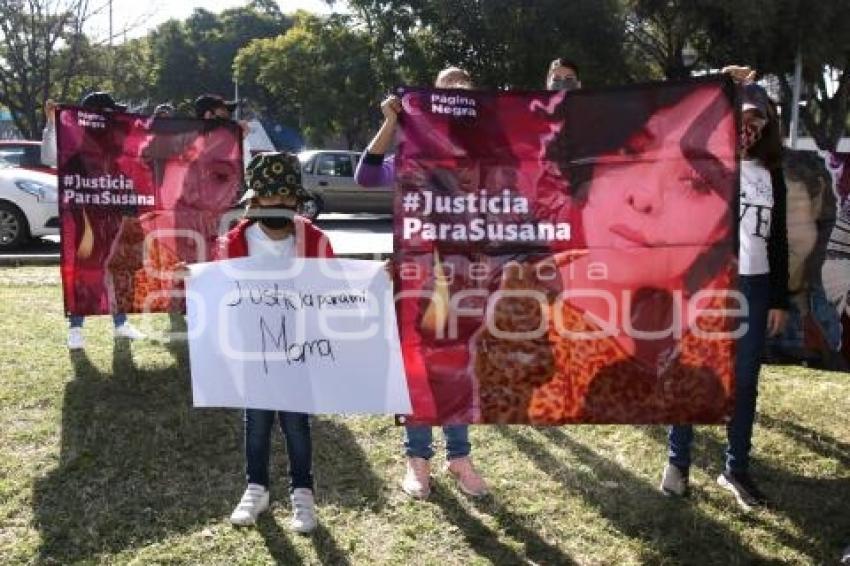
(272, 217)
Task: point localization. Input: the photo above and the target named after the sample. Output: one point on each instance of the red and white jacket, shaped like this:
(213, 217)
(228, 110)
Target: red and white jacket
(310, 241)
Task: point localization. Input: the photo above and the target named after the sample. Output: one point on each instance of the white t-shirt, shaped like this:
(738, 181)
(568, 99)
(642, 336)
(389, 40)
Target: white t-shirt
(755, 215)
(259, 244)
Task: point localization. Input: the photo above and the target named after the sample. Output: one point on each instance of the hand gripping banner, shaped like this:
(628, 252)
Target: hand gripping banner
(136, 196)
(569, 257)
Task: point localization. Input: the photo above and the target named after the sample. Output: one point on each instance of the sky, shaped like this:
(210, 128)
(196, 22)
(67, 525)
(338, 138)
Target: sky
(142, 15)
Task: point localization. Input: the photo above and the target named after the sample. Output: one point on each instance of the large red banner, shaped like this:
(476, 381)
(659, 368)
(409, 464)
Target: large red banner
(569, 257)
(137, 195)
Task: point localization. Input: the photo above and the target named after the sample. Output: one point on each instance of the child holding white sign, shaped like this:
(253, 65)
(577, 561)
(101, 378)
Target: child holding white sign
(272, 230)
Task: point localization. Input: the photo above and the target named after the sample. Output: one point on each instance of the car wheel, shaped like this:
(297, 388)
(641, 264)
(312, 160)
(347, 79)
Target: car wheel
(312, 207)
(14, 230)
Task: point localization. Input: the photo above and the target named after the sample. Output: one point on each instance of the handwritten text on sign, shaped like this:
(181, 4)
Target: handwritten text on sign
(320, 337)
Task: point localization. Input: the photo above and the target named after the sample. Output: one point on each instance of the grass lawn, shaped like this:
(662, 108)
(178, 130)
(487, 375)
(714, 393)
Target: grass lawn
(103, 460)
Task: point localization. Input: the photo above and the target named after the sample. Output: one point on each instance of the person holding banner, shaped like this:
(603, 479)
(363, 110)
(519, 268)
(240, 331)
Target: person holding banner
(562, 75)
(376, 170)
(101, 102)
(272, 230)
(763, 280)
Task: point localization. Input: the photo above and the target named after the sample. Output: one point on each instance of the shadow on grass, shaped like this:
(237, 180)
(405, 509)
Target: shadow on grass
(137, 463)
(277, 541)
(123, 366)
(817, 442)
(818, 506)
(536, 549)
(343, 472)
(327, 549)
(485, 541)
(175, 341)
(634, 507)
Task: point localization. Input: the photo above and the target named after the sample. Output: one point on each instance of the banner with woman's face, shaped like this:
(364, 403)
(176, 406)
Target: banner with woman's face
(569, 257)
(138, 195)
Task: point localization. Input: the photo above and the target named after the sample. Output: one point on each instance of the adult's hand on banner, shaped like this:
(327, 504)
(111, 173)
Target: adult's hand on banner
(739, 74)
(776, 321)
(390, 108)
(50, 109)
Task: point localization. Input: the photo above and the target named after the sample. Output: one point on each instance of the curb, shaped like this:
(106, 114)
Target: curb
(9, 260)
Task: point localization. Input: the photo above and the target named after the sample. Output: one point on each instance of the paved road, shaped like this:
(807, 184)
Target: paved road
(350, 234)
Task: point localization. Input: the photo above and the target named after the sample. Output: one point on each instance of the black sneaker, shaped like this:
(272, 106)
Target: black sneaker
(743, 488)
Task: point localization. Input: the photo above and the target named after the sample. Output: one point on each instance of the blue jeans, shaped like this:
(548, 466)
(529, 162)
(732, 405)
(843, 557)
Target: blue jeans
(418, 441)
(739, 431)
(258, 444)
(77, 321)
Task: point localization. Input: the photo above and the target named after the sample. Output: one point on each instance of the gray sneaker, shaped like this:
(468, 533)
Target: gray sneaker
(674, 481)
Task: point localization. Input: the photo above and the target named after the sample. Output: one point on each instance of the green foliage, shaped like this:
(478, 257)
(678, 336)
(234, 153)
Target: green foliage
(502, 44)
(326, 75)
(764, 34)
(197, 55)
(317, 75)
(32, 34)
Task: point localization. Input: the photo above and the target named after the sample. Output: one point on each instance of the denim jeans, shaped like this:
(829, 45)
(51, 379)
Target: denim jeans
(77, 321)
(258, 443)
(739, 430)
(418, 441)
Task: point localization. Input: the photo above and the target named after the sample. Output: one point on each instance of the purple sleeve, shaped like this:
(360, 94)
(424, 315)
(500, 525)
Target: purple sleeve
(375, 171)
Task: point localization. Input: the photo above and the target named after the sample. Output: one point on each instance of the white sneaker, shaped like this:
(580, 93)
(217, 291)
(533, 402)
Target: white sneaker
(128, 331)
(417, 478)
(674, 481)
(303, 511)
(76, 340)
(254, 501)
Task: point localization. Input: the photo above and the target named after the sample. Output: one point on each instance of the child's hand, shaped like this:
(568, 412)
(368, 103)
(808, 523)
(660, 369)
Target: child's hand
(389, 268)
(181, 271)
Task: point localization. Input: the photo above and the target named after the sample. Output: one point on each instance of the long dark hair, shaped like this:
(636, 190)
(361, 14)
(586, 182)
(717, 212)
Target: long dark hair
(768, 148)
(598, 123)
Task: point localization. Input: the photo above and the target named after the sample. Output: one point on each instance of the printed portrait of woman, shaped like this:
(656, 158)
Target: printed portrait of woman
(194, 171)
(92, 149)
(630, 328)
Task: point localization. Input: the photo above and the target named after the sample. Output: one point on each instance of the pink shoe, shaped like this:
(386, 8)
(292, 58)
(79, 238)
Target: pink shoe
(417, 479)
(469, 481)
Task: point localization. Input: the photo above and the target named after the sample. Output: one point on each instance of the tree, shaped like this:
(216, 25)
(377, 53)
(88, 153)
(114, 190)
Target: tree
(33, 33)
(317, 75)
(502, 44)
(196, 55)
(768, 35)
(663, 34)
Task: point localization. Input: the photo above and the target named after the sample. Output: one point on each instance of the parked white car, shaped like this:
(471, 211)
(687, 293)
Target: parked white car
(329, 176)
(28, 206)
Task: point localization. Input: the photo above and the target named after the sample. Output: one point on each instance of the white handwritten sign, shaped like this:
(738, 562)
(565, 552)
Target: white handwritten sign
(318, 336)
